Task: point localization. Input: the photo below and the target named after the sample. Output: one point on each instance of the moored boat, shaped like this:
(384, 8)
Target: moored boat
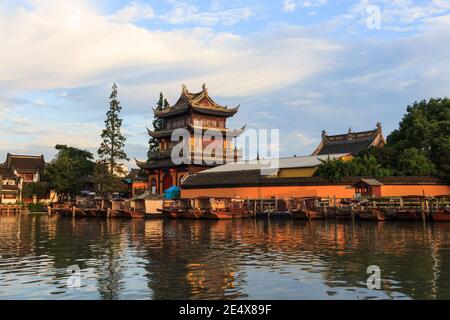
(405, 214)
(207, 208)
(305, 208)
(371, 215)
(135, 214)
(441, 215)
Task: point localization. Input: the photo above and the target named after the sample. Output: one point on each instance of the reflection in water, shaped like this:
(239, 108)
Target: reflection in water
(256, 259)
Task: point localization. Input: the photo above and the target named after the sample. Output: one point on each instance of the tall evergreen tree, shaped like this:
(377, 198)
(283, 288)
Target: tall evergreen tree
(158, 124)
(111, 148)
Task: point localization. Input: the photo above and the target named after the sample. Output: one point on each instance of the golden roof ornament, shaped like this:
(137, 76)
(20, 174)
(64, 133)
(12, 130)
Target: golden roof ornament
(205, 90)
(379, 126)
(184, 89)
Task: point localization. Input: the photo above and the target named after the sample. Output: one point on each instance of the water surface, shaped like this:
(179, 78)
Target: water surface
(62, 258)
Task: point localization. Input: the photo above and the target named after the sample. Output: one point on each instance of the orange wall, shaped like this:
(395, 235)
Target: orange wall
(268, 192)
(408, 190)
(340, 191)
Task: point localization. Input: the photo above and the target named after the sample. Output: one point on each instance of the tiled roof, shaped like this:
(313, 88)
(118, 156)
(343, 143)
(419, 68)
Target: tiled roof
(200, 102)
(6, 173)
(347, 146)
(351, 142)
(248, 178)
(24, 162)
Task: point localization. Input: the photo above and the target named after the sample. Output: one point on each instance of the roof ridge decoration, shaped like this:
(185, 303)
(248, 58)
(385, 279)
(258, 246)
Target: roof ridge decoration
(350, 142)
(200, 102)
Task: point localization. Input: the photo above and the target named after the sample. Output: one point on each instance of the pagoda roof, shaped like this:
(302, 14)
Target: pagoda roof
(351, 142)
(24, 162)
(200, 102)
(168, 133)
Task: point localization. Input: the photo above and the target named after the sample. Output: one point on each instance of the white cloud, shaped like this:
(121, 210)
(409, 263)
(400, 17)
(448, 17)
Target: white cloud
(183, 13)
(40, 53)
(289, 6)
(293, 5)
(403, 11)
(135, 11)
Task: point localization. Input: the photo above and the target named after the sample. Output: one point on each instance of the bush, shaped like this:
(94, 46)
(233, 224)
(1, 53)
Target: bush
(36, 207)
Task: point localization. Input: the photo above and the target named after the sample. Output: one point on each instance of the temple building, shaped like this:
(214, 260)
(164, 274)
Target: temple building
(16, 171)
(9, 186)
(195, 112)
(351, 142)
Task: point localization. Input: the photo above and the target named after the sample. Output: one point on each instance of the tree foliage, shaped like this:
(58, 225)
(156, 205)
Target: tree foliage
(158, 124)
(111, 149)
(105, 182)
(426, 127)
(359, 166)
(419, 147)
(39, 189)
(69, 172)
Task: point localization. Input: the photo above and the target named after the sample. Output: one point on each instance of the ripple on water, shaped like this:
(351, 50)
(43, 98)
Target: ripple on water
(257, 259)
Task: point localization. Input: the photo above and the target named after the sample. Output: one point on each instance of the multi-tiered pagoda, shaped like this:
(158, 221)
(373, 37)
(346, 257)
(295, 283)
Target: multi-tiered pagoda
(195, 112)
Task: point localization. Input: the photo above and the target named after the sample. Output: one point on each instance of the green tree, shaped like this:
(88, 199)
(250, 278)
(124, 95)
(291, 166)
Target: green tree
(69, 172)
(426, 127)
(367, 165)
(39, 189)
(106, 183)
(414, 162)
(158, 124)
(111, 149)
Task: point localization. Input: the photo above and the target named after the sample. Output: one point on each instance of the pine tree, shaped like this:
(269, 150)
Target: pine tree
(111, 148)
(158, 124)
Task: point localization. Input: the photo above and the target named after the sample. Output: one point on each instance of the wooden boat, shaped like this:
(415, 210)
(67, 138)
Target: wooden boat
(305, 208)
(135, 214)
(441, 212)
(178, 209)
(441, 215)
(305, 214)
(371, 215)
(405, 214)
(208, 208)
(221, 208)
(227, 208)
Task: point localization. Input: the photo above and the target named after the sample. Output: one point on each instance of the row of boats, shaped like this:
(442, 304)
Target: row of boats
(98, 213)
(414, 208)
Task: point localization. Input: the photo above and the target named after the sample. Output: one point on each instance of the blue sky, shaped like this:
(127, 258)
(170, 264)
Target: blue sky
(298, 66)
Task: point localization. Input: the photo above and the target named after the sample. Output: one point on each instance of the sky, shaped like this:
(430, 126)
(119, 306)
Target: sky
(300, 66)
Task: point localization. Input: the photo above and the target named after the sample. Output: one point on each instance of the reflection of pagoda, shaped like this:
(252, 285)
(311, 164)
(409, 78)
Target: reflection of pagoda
(195, 112)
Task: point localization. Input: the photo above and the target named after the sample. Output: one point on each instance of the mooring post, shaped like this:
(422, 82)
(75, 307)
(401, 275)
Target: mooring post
(49, 211)
(73, 211)
(108, 212)
(422, 211)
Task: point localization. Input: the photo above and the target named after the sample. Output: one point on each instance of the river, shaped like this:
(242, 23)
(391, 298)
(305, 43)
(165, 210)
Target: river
(62, 258)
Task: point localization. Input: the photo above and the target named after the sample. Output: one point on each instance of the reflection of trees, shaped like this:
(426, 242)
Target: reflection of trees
(68, 242)
(206, 259)
(110, 268)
